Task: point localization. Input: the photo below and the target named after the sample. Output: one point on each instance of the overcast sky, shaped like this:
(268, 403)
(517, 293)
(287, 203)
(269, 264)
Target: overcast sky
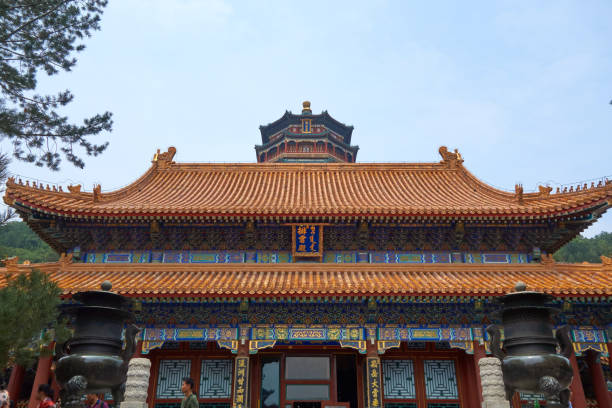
(522, 89)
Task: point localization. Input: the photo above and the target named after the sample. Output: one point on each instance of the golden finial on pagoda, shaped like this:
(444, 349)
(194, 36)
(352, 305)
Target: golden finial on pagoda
(306, 107)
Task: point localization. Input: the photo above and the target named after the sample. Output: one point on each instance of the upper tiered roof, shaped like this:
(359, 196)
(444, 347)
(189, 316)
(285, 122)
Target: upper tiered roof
(314, 280)
(399, 191)
(306, 138)
(289, 119)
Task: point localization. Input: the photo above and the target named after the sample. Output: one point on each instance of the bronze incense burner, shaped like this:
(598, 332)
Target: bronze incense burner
(530, 362)
(95, 359)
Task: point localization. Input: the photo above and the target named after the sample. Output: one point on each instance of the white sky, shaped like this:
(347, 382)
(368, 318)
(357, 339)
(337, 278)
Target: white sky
(522, 89)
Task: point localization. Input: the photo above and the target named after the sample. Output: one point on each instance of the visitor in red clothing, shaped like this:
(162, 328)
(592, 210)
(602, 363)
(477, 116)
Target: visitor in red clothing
(92, 401)
(45, 396)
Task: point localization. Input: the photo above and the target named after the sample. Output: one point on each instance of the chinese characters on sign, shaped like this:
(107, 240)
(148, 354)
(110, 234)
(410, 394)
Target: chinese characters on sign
(241, 375)
(374, 397)
(307, 240)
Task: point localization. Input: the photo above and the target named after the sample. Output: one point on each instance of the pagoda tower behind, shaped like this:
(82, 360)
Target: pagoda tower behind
(306, 138)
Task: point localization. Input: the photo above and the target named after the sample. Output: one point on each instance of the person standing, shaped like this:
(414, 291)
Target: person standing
(92, 401)
(45, 396)
(190, 400)
(5, 399)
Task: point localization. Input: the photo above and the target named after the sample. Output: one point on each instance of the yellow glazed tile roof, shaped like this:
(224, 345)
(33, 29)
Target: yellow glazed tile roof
(327, 280)
(287, 190)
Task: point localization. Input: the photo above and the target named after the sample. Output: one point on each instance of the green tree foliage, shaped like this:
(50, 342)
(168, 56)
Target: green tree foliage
(44, 35)
(17, 239)
(5, 215)
(29, 317)
(586, 249)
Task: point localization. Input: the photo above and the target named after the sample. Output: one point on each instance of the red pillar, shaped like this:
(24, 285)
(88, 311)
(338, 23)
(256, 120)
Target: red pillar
(43, 371)
(599, 381)
(470, 386)
(578, 398)
(55, 385)
(609, 345)
(479, 352)
(138, 350)
(14, 385)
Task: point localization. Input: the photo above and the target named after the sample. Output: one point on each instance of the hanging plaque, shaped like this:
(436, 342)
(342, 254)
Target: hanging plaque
(307, 240)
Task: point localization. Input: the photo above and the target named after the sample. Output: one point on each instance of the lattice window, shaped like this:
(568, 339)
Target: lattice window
(168, 405)
(171, 374)
(216, 379)
(401, 405)
(525, 396)
(440, 379)
(443, 405)
(528, 400)
(202, 405)
(398, 379)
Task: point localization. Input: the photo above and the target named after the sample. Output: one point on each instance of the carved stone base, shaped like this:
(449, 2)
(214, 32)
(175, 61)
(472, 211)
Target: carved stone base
(137, 384)
(134, 404)
(492, 381)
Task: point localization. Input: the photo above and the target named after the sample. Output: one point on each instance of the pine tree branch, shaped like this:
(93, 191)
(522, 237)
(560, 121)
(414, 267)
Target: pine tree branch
(19, 96)
(27, 23)
(24, 6)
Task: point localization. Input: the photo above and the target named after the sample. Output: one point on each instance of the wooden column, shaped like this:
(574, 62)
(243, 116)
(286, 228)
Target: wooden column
(241, 377)
(15, 382)
(468, 382)
(138, 349)
(479, 352)
(578, 397)
(599, 381)
(609, 345)
(43, 371)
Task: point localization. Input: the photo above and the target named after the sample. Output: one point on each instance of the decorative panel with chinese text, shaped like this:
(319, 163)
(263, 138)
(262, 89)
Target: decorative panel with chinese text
(374, 397)
(308, 240)
(241, 380)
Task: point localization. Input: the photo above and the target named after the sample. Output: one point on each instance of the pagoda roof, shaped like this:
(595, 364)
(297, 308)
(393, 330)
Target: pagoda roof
(308, 191)
(315, 280)
(289, 119)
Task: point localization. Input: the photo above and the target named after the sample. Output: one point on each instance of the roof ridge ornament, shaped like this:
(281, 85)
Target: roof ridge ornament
(547, 259)
(97, 193)
(65, 259)
(450, 159)
(545, 190)
(74, 189)
(518, 192)
(164, 160)
(306, 108)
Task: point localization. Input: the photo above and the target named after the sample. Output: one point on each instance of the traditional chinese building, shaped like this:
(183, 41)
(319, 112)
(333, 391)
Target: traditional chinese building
(307, 280)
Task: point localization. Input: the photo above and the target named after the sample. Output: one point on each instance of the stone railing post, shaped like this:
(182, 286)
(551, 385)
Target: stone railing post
(492, 381)
(137, 383)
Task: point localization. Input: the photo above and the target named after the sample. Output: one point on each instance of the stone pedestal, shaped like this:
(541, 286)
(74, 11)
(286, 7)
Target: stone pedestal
(137, 384)
(492, 381)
